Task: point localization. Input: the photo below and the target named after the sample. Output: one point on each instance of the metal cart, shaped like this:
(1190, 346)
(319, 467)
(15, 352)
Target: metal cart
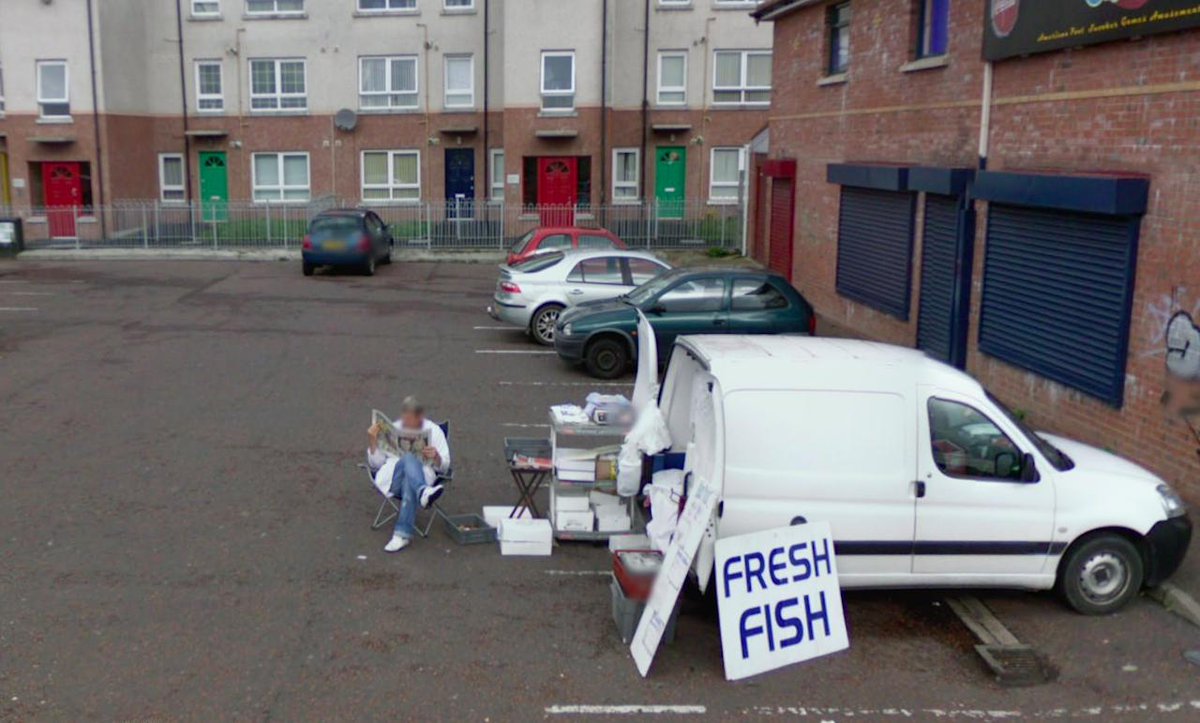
(586, 435)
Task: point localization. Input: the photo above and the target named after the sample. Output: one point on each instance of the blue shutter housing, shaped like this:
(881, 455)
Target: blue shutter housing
(1057, 291)
(874, 255)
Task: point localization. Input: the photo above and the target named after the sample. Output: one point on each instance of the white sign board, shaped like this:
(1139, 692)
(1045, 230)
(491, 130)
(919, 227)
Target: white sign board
(779, 600)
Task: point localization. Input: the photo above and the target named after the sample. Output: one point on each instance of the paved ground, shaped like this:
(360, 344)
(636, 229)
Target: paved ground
(184, 535)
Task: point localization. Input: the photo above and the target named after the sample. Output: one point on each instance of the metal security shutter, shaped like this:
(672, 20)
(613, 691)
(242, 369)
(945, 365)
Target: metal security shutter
(875, 232)
(1057, 288)
(780, 258)
(939, 245)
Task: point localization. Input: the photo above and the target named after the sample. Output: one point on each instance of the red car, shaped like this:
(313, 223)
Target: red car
(561, 238)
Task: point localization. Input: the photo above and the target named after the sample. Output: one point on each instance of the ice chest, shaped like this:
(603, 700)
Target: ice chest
(627, 613)
(635, 570)
(524, 536)
(494, 513)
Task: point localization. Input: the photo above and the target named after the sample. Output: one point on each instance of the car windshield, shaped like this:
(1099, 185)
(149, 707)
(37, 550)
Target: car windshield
(334, 224)
(650, 289)
(540, 262)
(523, 242)
(1057, 457)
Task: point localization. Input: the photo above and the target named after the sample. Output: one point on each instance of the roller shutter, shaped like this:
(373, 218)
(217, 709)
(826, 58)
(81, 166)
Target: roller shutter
(780, 258)
(874, 258)
(939, 249)
(1057, 289)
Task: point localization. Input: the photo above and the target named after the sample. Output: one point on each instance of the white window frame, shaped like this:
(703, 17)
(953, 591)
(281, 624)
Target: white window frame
(735, 185)
(742, 88)
(66, 99)
(388, 59)
(496, 185)
(218, 97)
(1, 91)
(411, 7)
(279, 96)
(675, 3)
(390, 186)
(635, 184)
(558, 93)
(282, 187)
(672, 89)
(458, 6)
(214, 13)
(163, 188)
(274, 10)
(447, 92)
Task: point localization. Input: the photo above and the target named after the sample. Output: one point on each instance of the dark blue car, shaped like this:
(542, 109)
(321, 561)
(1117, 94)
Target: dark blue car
(353, 237)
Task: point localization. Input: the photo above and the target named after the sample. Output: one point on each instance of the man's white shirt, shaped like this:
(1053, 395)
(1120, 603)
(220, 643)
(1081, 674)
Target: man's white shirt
(385, 464)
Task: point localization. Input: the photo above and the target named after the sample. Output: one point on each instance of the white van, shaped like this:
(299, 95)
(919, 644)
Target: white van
(926, 479)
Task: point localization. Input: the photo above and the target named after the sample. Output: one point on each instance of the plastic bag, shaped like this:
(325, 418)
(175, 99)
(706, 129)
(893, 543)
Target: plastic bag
(649, 435)
(664, 492)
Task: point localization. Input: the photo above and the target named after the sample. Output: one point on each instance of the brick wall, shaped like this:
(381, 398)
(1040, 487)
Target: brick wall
(1130, 106)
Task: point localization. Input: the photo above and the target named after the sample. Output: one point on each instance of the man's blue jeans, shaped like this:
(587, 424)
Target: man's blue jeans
(408, 481)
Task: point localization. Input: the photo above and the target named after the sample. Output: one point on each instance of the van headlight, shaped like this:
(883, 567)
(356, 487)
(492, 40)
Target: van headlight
(1171, 501)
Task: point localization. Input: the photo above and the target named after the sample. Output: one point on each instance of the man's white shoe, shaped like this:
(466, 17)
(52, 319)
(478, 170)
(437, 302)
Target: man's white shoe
(397, 544)
(429, 495)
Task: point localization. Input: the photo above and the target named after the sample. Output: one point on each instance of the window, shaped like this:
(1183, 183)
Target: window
(602, 270)
(206, 8)
(209, 95)
(52, 90)
(756, 295)
(934, 29)
(593, 242)
(874, 248)
(965, 443)
(170, 178)
(555, 241)
(387, 83)
(627, 175)
(558, 81)
(391, 176)
(274, 7)
(697, 295)
(496, 174)
(642, 270)
(1, 91)
(280, 177)
(838, 20)
(278, 85)
(459, 4)
(672, 78)
(674, 2)
(725, 176)
(382, 6)
(742, 77)
(460, 81)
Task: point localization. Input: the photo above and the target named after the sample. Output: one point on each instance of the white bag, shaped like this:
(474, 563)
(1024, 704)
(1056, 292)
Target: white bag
(664, 493)
(648, 436)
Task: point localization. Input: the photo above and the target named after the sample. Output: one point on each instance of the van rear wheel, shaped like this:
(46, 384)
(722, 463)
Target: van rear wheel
(1101, 574)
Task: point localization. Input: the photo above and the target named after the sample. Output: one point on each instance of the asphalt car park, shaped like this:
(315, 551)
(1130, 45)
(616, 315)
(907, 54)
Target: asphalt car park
(185, 535)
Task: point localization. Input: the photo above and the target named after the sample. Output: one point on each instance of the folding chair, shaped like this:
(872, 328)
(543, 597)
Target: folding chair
(390, 507)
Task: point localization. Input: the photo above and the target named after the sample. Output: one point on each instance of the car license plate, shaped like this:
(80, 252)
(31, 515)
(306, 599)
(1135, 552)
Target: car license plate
(334, 246)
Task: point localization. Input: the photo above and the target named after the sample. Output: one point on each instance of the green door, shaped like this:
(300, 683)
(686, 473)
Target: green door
(214, 186)
(670, 180)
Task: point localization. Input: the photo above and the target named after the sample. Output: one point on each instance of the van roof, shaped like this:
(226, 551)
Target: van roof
(779, 362)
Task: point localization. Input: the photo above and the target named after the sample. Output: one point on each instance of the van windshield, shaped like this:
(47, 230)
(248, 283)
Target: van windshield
(1057, 457)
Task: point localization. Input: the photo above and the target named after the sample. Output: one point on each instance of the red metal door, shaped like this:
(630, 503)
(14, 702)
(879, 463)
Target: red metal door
(62, 189)
(782, 195)
(558, 186)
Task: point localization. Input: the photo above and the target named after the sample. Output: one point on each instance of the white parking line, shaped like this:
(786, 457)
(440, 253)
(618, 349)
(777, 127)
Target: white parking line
(565, 384)
(496, 328)
(1100, 711)
(626, 710)
(17, 308)
(512, 351)
(578, 573)
(525, 426)
(29, 293)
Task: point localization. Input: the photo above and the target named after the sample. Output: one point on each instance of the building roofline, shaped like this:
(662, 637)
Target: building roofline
(774, 9)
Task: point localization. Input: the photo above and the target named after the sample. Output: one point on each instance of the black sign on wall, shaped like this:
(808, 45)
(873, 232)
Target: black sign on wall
(1024, 27)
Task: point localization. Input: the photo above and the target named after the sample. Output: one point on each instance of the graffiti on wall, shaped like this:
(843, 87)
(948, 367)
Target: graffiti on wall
(1182, 393)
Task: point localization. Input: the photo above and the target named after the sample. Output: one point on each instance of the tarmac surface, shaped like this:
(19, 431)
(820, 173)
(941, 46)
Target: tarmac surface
(184, 533)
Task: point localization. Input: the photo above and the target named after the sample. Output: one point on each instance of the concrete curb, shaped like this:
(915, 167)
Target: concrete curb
(200, 254)
(1177, 601)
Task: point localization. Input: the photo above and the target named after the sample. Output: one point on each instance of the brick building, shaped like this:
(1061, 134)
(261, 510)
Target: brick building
(379, 101)
(1033, 219)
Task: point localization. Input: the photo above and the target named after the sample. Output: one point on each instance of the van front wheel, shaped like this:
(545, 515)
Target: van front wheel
(1101, 574)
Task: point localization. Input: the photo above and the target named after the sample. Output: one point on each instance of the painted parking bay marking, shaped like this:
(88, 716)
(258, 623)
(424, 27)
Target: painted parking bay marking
(513, 351)
(17, 308)
(626, 710)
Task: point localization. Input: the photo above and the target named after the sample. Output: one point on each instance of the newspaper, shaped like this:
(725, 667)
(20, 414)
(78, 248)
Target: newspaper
(396, 441)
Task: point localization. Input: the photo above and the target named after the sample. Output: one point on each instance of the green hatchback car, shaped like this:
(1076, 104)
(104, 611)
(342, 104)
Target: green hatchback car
(600, 335)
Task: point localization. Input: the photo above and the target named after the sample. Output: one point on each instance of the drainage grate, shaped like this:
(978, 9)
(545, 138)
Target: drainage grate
(1017, 665)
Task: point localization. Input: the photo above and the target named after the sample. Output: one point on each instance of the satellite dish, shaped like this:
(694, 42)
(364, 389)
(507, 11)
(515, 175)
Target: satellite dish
(345, 120)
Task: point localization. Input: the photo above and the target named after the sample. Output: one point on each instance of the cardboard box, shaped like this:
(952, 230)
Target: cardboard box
(524, 536)
(492, 514)
(570, 503)
(575, 521)
(628, 542)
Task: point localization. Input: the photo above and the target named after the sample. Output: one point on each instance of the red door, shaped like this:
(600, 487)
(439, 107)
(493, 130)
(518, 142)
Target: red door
(558, 186)
(62, 188)
(780, 259)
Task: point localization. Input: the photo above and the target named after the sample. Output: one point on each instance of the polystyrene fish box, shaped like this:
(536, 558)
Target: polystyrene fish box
(522, 536)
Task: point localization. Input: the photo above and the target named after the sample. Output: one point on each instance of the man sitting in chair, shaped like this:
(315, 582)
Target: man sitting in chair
(410, 478)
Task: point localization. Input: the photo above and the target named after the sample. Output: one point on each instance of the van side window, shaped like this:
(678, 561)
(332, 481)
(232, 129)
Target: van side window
(965, 443)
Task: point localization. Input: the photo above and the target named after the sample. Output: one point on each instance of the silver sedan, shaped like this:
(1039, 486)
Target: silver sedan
(534, 292)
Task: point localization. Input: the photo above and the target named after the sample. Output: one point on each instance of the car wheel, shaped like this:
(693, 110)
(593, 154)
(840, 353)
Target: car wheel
(1101, 574)
(607, 358)
(307, 268)
(369, 266)
(541, 326)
